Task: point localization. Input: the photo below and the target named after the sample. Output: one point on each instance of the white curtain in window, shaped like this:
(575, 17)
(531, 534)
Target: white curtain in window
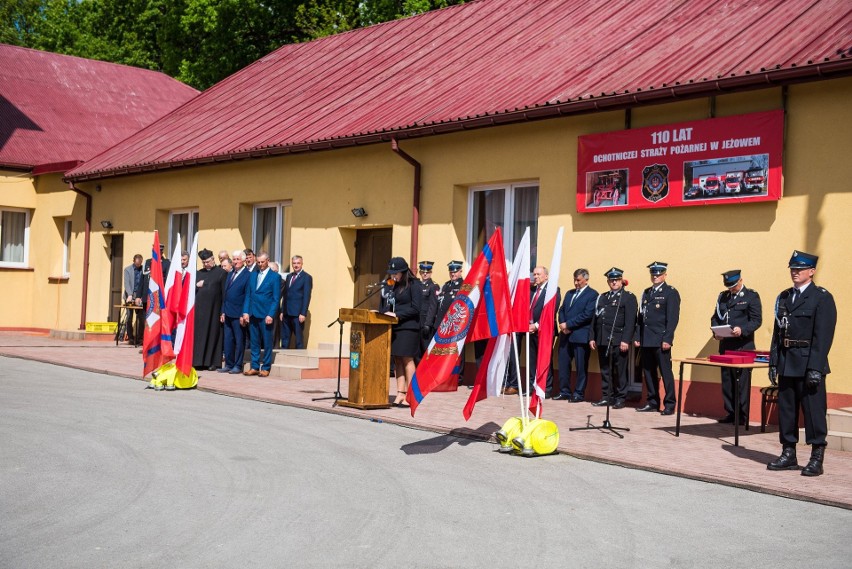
(14, 225)
(526, 215)
(265, 219)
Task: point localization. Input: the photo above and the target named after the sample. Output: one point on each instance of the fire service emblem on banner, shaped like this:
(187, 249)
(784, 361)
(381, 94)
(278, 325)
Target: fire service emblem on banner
(655, 182)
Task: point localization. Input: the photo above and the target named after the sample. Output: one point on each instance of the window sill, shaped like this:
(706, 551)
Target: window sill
(4, 267)
(58, 280)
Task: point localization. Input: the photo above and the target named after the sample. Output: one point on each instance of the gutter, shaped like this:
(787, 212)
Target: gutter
(765, 78)
(415, 210)
(86, 246)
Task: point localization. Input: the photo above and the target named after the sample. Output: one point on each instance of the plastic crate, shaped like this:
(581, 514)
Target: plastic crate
(101, 327)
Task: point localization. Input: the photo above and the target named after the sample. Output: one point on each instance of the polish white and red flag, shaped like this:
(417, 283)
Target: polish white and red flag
(185, 332)
(492, 369)
(546, 328)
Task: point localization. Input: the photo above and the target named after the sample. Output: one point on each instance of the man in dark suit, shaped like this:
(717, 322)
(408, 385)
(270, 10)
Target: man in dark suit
(805, 319)
(739, 308)
(575, 319)
(134, 323)
(540, 279)
(294, 304)
(259, 309)
(659, 314)
(613, 329)
(233, 299)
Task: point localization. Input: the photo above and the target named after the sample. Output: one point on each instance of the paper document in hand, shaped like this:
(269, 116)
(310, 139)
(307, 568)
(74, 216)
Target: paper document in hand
(723, 331)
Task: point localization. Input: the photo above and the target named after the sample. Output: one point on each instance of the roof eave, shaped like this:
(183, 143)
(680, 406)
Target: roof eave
(583, 105)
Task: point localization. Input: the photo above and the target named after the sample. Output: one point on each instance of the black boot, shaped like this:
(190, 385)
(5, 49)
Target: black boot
(814, 467)
(787, 460)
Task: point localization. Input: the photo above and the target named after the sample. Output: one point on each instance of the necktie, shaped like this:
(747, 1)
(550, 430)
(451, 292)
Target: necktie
(573, 298)
(295, 275)
(535, 297)
(795, 295)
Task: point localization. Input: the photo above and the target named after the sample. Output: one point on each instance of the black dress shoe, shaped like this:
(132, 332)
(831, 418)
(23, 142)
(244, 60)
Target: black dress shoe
(561, 397)
(602, 403)
(726, 419)
(667, 412)
(648, 408)
(787, 460)
(619, 404)
(576, 399)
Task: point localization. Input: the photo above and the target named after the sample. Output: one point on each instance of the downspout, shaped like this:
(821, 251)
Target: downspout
(86, 242)
(415, 214)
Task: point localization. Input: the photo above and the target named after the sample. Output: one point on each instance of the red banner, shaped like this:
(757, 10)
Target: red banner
(715, 161)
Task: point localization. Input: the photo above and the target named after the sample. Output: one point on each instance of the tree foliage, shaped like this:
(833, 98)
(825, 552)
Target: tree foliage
(199, 42)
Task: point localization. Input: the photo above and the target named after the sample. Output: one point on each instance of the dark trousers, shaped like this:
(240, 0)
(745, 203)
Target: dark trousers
(613, 366)
(793, 394)
(134, 325)
(654, 359)
(579, 352)
(729, 376)
(235, 343)
(291, 326)
(261, 335)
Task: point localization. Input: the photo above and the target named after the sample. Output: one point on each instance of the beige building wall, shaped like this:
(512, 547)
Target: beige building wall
(42, 294)
(699, 243)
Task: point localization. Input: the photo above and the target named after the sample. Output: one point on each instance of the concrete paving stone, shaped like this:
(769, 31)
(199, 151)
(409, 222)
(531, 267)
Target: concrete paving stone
(704, 450)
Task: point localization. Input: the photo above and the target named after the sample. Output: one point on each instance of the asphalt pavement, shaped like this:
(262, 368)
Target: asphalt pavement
(96, 471)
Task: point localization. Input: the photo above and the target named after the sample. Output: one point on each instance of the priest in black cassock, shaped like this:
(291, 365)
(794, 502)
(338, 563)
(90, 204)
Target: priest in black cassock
(207, 351)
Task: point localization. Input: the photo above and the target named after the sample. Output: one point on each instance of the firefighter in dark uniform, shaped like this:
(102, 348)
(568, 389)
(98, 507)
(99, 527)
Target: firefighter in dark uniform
(429, 306)
(613, 329)
(738, 307)
(449, 291)
(659, 313)
(805, 318)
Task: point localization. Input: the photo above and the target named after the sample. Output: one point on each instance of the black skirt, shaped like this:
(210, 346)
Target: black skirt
(405, 343)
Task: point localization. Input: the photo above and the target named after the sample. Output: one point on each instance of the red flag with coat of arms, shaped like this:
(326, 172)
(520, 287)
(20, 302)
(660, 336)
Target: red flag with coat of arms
(467, 313)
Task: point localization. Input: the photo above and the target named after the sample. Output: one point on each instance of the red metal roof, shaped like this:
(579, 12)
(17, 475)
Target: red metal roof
(57, 108)
(490, 62)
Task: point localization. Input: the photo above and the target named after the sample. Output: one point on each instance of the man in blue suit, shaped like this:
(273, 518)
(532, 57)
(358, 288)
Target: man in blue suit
(294, 306)
(259, 309)
(575, 319)
(234, 292)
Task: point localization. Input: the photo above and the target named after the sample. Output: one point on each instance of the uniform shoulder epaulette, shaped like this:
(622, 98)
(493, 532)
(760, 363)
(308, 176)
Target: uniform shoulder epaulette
(819, 288)
(628, 292)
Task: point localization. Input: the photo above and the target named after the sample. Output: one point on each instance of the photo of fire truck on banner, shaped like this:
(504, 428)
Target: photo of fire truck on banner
(737, 177)
(606, 188)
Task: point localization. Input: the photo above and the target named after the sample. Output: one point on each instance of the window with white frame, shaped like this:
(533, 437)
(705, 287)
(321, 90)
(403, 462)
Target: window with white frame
(183, 223)
(66, 248)
(511, 207)
(270, 224)
(14, 237)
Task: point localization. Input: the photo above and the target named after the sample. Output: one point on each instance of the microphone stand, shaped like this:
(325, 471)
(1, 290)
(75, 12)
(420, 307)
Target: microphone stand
(337, 395)
(606, 425)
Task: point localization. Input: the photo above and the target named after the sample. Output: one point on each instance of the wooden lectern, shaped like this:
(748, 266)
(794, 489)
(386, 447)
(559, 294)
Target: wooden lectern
(369, 358)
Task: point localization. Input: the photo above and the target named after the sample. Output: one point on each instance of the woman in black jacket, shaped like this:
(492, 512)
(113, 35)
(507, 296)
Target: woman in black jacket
(403, 300)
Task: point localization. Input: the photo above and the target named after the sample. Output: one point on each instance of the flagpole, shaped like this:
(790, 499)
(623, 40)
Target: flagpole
(517, 363)
(528, 394)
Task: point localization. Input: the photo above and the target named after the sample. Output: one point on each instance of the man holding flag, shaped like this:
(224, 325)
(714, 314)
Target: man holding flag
(542, 328)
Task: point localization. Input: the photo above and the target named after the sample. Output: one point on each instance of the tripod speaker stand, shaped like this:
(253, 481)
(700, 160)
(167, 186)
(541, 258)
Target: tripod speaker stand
(606, 425)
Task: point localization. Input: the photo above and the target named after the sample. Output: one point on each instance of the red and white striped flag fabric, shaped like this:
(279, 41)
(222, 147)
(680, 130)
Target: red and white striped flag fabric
(492, 369)
(547, 326)
(157, 341)
(185, 333)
